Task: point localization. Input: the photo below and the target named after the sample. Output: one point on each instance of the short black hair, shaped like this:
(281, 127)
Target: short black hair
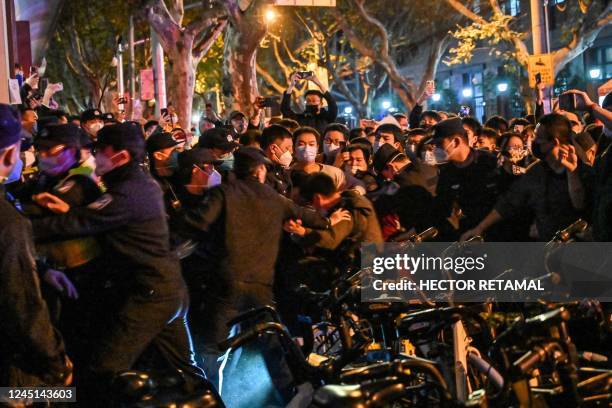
(505, 139)
(531, 119)
(306, 129)
(357, 132)
(594, 130)
(23, 109)
(473, 124)
(390, 128)
(555, 126)
(366, 149)
(313, 92)
(498, 123)
(417, 132)
(290, 124)
(519, 121)
(338, 127)
(607, 102)
(489, 133)
(250, 136)
(317, 183)
(273, 133)
(432, 114)
(150, 124)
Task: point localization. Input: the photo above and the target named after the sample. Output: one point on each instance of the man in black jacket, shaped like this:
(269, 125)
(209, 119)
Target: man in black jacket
(151, 296)
(277, 144)
(31, 351)
(314, 115)
(251, 216)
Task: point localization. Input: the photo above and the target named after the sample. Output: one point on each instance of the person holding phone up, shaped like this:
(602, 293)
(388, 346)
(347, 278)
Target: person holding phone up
(314, 115)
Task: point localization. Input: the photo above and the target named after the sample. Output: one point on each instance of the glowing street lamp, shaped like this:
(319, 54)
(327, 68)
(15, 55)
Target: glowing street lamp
(386, 104)
(467, 92)
(348, 110)
(436, 97)
(270, 15)
(502, 87)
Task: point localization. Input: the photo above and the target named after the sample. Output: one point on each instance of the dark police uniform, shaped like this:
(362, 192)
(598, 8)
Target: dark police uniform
(152, 299)
(31, 350)
(474, 188)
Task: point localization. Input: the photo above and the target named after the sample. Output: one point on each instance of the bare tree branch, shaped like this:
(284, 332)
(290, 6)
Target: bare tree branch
(164, 25)
(270, 79)
(202, 47)
(457, 5)
(177, 11)
(581, 39)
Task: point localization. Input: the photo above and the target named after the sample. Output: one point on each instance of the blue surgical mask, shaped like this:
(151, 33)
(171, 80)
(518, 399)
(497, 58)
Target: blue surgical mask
(228, 162)
(15, 173)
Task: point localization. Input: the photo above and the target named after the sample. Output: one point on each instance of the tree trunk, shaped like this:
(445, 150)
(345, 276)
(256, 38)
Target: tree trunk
(242, 69)
(244, 35)
(183, 83)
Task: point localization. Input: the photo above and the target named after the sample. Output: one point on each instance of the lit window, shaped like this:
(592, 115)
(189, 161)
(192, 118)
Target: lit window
(515, 7)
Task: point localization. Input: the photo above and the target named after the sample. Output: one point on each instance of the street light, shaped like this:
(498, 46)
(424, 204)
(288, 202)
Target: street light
(436, 97)
(195, 118)
(270, 15)
(467, 92)
(348, 110)
(502, 86)
(595, 73)
(386, 104)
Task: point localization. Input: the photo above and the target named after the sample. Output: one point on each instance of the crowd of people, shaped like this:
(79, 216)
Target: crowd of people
(129, 244)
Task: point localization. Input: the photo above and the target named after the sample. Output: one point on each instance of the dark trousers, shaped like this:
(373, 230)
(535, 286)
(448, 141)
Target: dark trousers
(143, 322)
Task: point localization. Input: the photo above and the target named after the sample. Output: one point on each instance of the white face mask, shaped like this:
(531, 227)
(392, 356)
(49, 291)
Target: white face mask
(214, 179)
(307, 154)
(429, 158)
(330, 148)
(94, 128)
(285, 159)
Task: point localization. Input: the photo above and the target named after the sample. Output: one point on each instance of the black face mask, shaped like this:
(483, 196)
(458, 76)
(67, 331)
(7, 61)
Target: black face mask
(311, 109)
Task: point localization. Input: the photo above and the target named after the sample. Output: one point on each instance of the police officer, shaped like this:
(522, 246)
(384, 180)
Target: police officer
(163, 164)
(199, 257)
(61, 176)
(151, 294)
(91, 122)
(469, 178)
(31, 351)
